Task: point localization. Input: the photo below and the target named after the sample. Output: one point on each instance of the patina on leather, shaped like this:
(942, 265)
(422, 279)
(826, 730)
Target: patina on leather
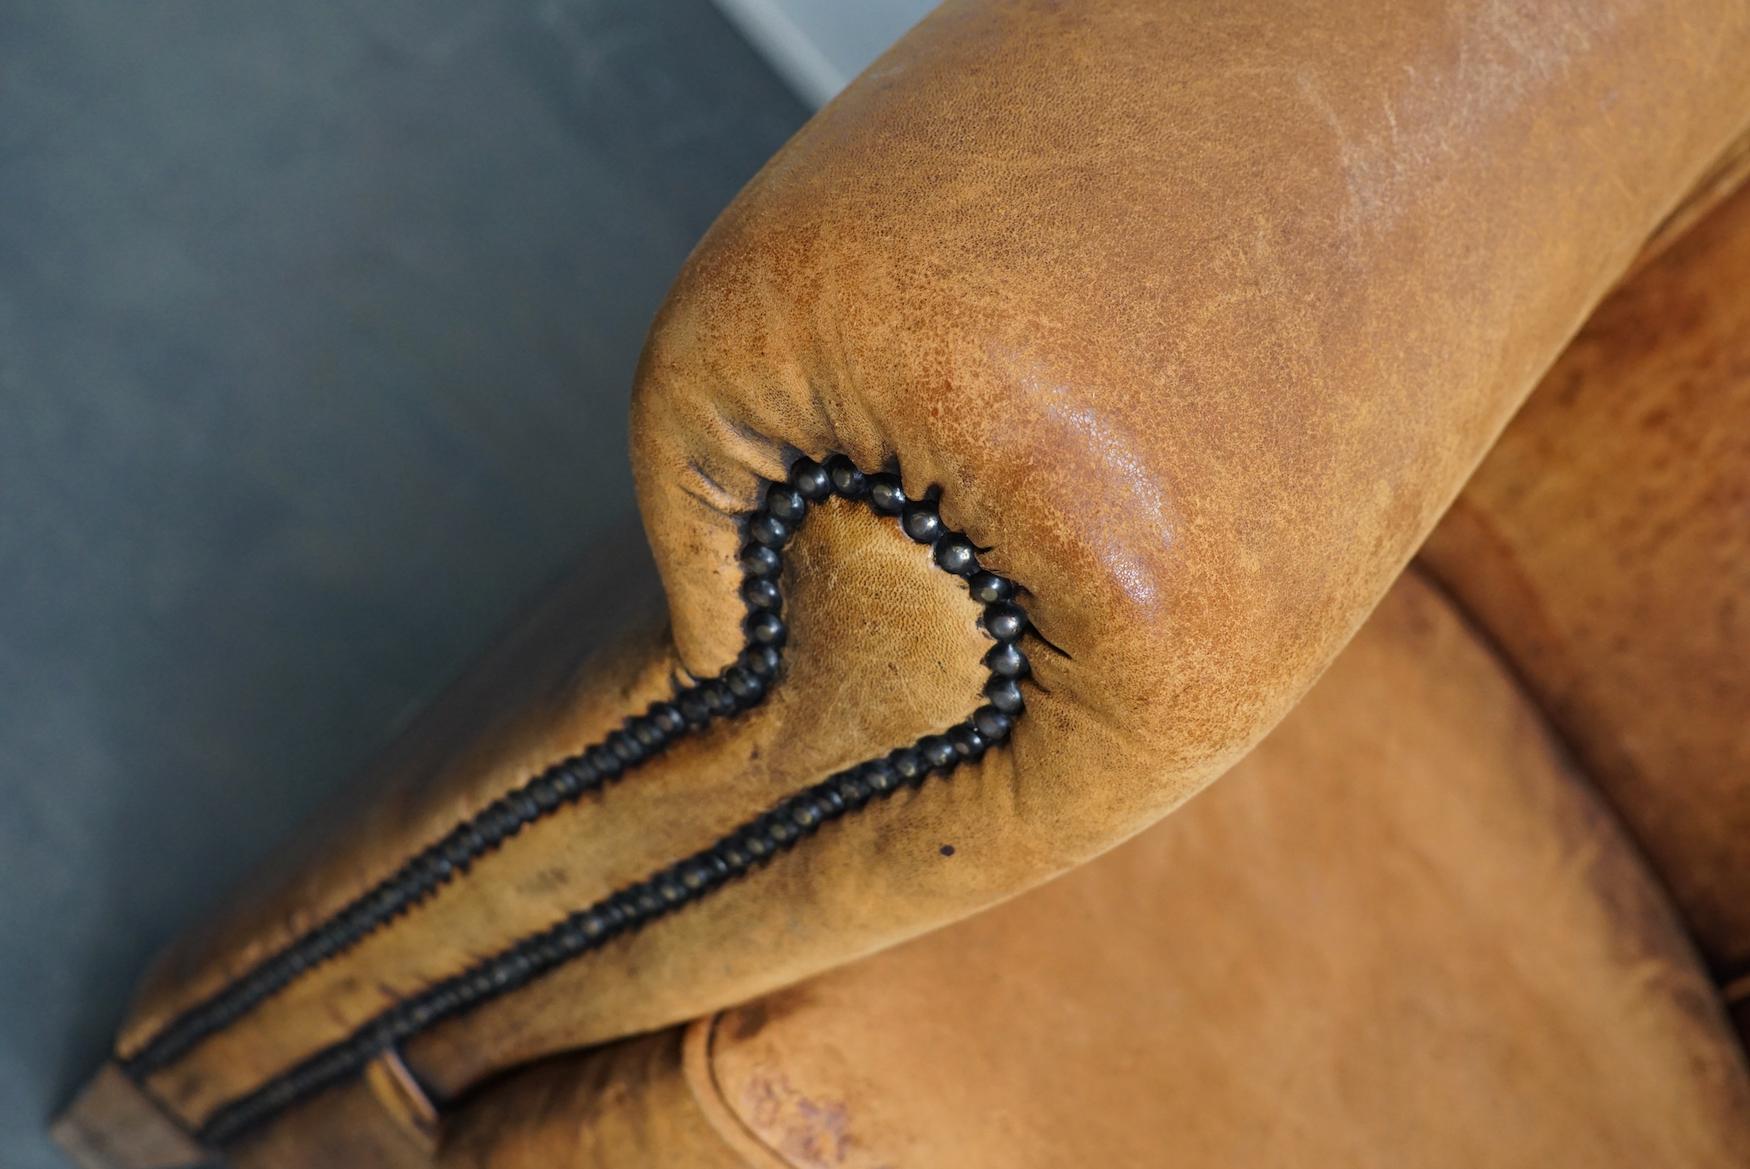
(1196, 315)
(1423, 943)
(1420, 939)
(1605, 546)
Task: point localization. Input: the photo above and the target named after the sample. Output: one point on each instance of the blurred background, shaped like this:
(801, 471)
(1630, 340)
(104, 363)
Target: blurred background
(317, 322)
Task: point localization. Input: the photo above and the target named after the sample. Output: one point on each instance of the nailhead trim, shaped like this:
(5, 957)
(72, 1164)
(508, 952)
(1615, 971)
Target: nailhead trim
(740, 687)
(779, 829)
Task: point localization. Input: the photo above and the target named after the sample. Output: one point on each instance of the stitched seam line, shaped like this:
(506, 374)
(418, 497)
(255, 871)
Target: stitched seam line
(747, 847)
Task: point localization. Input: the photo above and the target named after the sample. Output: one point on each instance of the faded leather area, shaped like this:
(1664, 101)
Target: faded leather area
(1605, 545)
(1198, 315)
(1403, 932)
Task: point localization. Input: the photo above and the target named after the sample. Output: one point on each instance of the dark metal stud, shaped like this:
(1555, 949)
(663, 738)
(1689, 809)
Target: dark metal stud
(667, 717)
(881, 776)
(1004, 621)
(767, 529)
(625, 747)
(885, 494)
(457, 851)
(490, 835)
(734, 855)
(544, 789)
(955, 554)
(780, 829)
(1005, 695)
(498, 822)
(992, 723)
(938, 752)
(804, 814)
(828, 802)
(909, 765)
(762, 661)
(846, 479)
(765, 628)
(761, 592)
(852, 788)
(606, 764)
(968, 743)
(692, 706)
(746, 686)
(568, 781)
(646, 732)
(811, 479)
(1006, 660)
(718, 699)
(759, 560)
(425, 871)
(786, 503)
(988, 588)
(920, 522)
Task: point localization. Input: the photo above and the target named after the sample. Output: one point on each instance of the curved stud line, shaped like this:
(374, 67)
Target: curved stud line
(751, 844)
(640, 737)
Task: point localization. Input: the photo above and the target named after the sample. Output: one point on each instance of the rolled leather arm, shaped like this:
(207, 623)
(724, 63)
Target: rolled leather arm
(1183, 322)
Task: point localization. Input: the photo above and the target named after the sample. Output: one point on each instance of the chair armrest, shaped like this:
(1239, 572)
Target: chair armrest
(1190, 318)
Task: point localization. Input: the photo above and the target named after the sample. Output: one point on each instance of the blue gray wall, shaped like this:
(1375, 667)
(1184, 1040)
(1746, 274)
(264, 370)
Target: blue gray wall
(316, 325)
(819, 45)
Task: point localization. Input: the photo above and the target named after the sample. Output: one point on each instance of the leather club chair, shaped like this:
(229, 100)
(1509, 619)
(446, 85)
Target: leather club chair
(1095, 399)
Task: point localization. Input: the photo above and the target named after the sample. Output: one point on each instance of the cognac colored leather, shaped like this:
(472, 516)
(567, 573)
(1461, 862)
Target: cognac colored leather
(1428, 947)
(1436, 945)
(1194, 318)
(1605, 546)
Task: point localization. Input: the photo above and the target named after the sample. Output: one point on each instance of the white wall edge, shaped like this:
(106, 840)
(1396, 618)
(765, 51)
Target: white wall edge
(791, 51)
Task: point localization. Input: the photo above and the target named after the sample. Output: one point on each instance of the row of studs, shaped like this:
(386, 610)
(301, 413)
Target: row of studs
(693, 707)
(776, 831)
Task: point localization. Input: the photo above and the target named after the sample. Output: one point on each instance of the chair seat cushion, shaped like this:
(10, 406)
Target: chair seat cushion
(1403, 932)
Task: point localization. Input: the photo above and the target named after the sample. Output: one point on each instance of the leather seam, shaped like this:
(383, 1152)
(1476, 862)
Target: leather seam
(699, 1071)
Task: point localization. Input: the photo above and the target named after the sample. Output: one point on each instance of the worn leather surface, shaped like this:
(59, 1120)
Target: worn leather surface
(1605, 545)
(1198, 315)
(627, 1104)
(1403, 932)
